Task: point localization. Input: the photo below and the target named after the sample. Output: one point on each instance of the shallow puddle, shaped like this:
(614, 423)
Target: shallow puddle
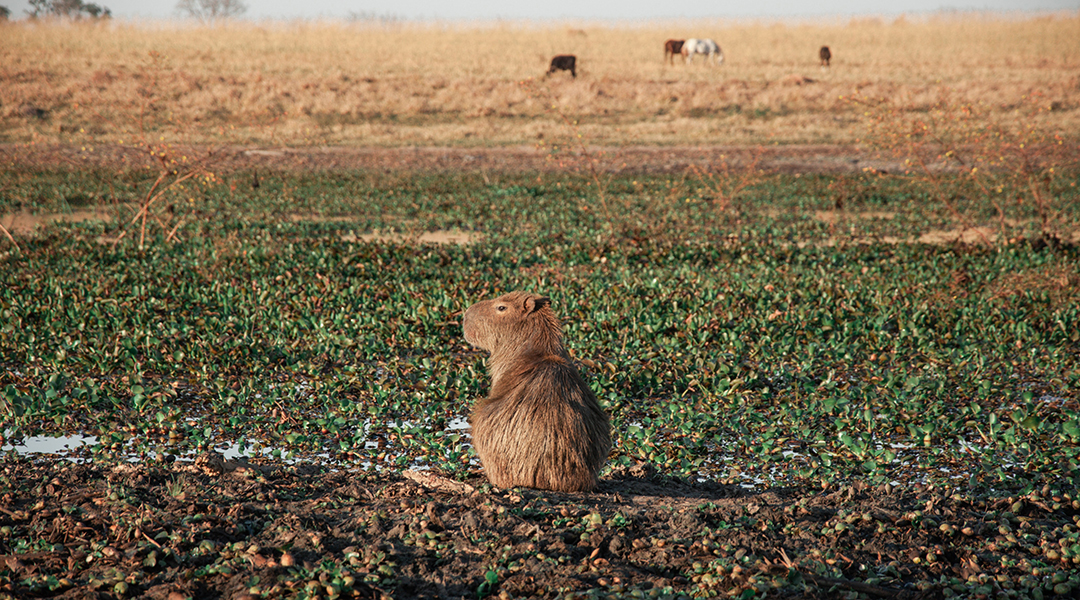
(78, 448)
(62, 446)
(75, 447)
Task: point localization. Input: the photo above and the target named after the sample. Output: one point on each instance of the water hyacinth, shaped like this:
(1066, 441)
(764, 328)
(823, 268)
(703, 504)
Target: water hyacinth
(762, 353)
(773, 383)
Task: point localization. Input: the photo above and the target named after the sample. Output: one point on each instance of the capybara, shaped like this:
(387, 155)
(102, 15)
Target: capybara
(825, 55)
(540, 426)
(563, 62)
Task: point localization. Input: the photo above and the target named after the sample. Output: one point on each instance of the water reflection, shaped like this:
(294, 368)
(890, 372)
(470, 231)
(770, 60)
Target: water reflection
(55, 445)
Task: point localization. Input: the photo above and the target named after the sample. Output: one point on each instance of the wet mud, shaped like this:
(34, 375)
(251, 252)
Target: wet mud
(214, 528)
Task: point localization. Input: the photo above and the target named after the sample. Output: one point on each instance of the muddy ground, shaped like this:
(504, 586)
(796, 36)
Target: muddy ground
(823, 158)
(216, 529)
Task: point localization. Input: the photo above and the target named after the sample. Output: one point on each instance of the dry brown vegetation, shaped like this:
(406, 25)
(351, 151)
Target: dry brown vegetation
(477, 84)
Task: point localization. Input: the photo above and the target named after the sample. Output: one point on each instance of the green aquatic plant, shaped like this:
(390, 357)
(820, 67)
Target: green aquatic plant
(771, 348)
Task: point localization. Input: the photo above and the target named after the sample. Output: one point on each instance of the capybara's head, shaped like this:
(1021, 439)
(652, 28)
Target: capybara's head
(518, 320)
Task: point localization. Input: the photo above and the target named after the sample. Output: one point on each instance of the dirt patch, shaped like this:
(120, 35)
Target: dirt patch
(935, 237)
(795, 80)
(310, 218)
(24, 222)
(511, 159)
(165, 531)
(969, 235)
(440, 237)
(835, 216)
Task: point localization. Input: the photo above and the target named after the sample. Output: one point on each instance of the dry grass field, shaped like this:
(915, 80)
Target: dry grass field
(316, 83)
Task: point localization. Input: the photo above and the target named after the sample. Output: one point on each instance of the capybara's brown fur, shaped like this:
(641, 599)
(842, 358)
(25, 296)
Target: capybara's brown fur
(541, 426)
(825, 55)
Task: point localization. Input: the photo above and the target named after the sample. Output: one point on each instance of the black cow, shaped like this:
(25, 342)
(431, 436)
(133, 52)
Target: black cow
(563, 62)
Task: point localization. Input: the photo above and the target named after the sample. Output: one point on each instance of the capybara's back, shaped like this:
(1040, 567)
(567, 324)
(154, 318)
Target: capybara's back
(541, 425)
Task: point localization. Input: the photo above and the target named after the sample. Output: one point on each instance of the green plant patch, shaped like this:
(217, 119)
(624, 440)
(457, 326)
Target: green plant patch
(807, 395)
(780, 339)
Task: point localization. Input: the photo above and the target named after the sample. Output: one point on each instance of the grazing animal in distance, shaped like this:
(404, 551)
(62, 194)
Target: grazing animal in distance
(825, 55)
(671, 48)
(703, 46)
(540, 426)
(563, 62)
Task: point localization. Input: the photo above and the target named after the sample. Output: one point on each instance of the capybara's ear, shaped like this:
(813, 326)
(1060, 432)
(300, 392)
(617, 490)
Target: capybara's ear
(535, 303)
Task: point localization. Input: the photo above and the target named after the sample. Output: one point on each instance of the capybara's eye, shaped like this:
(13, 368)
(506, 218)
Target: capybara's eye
(502, 308)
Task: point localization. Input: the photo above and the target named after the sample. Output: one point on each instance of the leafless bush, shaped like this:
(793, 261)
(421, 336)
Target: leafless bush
(971, 157)
(181, 168)
(728, 180)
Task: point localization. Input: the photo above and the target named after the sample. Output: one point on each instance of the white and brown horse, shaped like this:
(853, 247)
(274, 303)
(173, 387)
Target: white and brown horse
(703, 46)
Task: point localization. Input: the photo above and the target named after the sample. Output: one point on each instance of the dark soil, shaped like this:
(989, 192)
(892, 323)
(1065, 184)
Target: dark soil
(514, 159)
(221, 530)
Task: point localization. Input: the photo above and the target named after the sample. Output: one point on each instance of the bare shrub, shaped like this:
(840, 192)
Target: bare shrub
(973, 159)
(566, 146)
(728, 180)
(170, 201)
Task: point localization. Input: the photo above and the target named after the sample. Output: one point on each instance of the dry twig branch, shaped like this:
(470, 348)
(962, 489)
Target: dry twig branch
(8, 235)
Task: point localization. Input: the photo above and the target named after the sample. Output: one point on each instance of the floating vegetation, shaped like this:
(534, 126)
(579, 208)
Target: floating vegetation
(892, 362)
(750, 350)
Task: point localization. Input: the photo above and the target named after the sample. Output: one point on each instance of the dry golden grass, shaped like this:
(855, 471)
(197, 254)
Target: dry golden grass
(464, 84)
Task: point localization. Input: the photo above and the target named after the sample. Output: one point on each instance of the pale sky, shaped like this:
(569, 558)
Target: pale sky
(574, 9)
